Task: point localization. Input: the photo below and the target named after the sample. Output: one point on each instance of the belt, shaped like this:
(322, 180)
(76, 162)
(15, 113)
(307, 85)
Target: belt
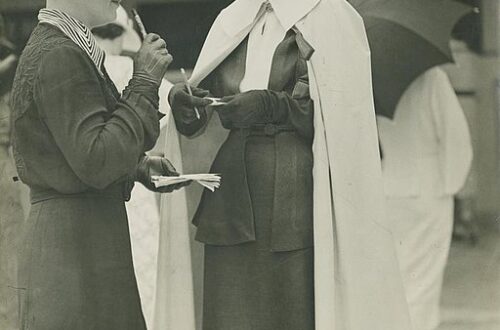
(268, 129)
(113, 192)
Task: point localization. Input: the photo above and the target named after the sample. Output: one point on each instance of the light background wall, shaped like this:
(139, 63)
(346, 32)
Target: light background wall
(483, 74)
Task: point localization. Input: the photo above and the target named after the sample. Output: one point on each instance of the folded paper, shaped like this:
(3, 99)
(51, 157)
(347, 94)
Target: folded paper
(209, 181)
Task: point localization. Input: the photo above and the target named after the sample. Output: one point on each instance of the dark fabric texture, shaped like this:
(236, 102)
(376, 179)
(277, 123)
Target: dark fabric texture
(71, 130)
(226, 217)
(258, 227)
(76, 268)
(248, 287)
(76, 145)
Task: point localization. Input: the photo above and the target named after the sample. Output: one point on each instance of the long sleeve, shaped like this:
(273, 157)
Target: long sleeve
(99, 145)
(278, 108)
(270, 107)
(296, 110)
(453, 133)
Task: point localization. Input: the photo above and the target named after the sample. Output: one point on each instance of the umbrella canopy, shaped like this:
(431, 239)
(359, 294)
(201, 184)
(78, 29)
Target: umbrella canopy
(407, 37)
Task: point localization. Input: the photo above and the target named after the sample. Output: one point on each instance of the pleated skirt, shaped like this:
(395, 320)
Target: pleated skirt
(422, 228)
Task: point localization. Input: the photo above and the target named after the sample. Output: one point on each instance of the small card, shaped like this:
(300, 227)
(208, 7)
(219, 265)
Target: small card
(215, 101)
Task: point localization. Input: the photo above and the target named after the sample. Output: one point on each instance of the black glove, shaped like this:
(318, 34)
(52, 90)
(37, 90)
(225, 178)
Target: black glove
(152, 59)
(150, 166)
(250, 108)
(183, 104)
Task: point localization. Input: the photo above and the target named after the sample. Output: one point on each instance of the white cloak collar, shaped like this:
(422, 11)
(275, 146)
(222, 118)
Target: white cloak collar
(242, 13)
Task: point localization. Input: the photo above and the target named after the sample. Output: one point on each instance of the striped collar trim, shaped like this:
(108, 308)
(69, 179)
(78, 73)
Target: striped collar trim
(78, 32)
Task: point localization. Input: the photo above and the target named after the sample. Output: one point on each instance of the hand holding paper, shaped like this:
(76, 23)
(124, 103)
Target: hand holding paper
(153, 166)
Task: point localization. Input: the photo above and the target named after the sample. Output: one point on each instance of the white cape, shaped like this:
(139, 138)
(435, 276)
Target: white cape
(357, 281)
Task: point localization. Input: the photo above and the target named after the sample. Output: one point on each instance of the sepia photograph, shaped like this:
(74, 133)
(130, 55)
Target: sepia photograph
(249, 164)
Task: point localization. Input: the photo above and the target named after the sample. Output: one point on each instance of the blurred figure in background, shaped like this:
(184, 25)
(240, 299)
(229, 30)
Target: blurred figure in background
(427, 155)
(8, 60)
(143, 208)
(12, 203)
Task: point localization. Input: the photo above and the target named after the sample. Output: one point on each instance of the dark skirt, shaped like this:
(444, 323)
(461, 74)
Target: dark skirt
(76, 268)
(248, 287)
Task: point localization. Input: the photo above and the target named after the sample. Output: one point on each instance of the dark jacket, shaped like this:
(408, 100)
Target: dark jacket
(72, 132)
(226, 217)
(74, 136)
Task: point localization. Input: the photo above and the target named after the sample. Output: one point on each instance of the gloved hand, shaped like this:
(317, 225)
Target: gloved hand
(250, 108)
(150, 166)
(152, 59)
(183, 104)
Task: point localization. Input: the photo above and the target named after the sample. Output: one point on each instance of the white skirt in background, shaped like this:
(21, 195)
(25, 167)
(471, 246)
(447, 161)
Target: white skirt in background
(422, 229)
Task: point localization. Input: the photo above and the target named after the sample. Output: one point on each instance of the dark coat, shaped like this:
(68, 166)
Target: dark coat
(71, 130)
(76, 144)
(226, 217)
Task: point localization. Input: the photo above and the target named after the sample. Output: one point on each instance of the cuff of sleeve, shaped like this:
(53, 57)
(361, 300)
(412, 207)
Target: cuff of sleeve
(145, 77)
(276, 105)
(144, 86)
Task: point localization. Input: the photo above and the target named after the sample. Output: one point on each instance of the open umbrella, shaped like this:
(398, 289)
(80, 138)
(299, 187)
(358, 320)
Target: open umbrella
(407, 37)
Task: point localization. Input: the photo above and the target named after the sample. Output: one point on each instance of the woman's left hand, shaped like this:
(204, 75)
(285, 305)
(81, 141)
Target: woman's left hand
(244, 110)
(150, 166)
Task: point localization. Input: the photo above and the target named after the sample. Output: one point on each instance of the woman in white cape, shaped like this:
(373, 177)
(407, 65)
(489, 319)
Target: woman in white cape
(357, 284)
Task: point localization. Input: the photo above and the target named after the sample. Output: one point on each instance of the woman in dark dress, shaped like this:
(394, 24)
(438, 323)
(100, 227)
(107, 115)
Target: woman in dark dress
(258, 227)
(80, 146)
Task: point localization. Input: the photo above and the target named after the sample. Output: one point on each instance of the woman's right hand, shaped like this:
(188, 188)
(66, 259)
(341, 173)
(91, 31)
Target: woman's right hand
(152, 59)
(183, 105)
(150, 166)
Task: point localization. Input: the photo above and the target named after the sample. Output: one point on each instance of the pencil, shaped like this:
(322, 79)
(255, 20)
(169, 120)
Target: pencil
(184, 76)
(140, 24)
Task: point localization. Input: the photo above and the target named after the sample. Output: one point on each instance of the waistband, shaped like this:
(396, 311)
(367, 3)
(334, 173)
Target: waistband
(113, 192)
(267, 129)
